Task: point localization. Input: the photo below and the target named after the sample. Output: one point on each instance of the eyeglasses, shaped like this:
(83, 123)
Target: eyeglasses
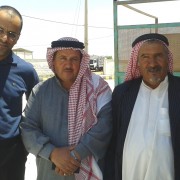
(11, 35)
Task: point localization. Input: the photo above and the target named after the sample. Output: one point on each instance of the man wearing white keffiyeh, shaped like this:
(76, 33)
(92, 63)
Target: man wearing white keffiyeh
(67, 120)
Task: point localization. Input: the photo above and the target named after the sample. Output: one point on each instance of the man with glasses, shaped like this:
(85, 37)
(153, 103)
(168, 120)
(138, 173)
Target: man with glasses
(67, 120)
(16, 78)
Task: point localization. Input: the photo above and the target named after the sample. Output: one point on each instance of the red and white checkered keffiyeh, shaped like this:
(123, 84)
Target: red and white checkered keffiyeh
(132, 71)
(82, 112)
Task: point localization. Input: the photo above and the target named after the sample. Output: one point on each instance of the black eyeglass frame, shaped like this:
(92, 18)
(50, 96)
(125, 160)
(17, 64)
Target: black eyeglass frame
(11, 35)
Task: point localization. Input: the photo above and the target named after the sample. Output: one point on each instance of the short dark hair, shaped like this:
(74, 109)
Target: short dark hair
(14, 11)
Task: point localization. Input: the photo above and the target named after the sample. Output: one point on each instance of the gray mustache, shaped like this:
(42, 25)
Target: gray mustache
(154, 69)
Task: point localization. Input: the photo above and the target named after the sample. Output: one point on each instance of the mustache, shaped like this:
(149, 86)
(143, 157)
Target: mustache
(67, 69)
(154, 69)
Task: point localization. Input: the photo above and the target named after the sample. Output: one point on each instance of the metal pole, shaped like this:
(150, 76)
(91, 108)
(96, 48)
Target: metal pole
(146, 14)
(139, 1)
(116, 37)
(86, 26)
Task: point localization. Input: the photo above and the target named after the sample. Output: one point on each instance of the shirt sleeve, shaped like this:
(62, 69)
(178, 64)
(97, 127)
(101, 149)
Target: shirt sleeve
(31, 80)
(35, 141)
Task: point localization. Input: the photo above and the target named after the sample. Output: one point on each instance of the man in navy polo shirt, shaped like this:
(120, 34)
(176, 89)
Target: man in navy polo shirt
(16, 78)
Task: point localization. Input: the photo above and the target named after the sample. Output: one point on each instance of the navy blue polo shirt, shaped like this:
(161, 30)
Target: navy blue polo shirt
(16, 78)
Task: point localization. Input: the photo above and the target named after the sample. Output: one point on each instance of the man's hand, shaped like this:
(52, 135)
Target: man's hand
(64, 162)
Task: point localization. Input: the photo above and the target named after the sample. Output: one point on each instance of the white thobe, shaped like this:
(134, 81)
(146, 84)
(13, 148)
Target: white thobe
(147, 153)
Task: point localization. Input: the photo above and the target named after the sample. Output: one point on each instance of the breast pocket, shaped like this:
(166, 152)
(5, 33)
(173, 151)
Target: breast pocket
(163, 122)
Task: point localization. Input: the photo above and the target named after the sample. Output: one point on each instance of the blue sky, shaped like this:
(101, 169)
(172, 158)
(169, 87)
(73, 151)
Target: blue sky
(38, 34)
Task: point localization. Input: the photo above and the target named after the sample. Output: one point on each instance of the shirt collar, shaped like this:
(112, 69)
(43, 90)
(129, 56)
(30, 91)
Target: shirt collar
(9, 60)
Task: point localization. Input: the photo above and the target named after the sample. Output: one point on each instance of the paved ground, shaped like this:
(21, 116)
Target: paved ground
(31, 172)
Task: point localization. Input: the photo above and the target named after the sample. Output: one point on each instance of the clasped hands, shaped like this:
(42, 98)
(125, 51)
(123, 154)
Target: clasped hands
(65, 163)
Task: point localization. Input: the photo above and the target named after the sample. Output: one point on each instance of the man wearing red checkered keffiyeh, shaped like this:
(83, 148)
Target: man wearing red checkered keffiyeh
(132, 71)
(146, 116)
(75, 133)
